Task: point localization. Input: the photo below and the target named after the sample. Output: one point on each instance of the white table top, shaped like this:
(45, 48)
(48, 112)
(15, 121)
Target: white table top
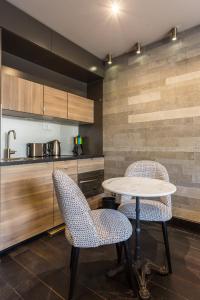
(139, 186)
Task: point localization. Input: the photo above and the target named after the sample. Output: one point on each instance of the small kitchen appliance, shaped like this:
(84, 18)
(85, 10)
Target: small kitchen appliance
(36, 150)
(78, 145)
(53, 148)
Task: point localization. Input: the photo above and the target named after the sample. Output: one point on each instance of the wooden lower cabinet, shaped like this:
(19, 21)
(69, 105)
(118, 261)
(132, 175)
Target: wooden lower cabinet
(70, 168)
(26, 202)
(95, 202)
(90, 164)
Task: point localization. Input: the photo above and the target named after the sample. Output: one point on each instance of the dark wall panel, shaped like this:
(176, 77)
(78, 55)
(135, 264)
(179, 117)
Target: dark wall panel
(31, 71)
(93, 134)
(20, 23)
(70, 51)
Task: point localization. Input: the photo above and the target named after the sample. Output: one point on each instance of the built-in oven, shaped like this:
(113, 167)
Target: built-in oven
(91, 182)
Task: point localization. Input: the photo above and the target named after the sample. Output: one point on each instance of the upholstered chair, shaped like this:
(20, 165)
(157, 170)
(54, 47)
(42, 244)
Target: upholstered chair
(156, 210)
(86, 228)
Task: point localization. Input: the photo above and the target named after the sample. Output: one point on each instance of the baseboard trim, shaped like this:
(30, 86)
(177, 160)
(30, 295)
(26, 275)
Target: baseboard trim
(190, 226)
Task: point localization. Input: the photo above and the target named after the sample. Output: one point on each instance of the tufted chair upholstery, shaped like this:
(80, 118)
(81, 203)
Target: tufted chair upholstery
(151, 210)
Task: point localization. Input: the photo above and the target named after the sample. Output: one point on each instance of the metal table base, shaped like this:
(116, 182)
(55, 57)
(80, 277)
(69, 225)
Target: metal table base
(141, 271)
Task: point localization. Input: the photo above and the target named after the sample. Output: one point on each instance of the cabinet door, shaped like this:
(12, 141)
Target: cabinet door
(70, 168)
(21, 95)
(90, 164)
(55, 102)
(26, 202)
(80, 109)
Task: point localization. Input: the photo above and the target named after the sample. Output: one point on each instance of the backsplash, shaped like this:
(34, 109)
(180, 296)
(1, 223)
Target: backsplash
(34, 131)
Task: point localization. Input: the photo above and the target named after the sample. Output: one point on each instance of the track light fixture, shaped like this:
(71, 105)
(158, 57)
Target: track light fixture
(138, 48)
(108, 59)
(173, 33)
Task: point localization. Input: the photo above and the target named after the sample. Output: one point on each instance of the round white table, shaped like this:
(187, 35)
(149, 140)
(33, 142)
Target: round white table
(140, 187)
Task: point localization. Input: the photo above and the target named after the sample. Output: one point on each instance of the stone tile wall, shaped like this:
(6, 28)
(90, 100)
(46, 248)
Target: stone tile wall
(152, 111)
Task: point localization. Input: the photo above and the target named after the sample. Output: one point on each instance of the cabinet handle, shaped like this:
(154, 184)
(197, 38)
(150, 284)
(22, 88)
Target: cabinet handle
(90, 180)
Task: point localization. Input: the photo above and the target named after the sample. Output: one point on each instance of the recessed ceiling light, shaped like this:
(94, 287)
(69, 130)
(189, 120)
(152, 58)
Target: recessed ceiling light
(93, 68)
(115, 8)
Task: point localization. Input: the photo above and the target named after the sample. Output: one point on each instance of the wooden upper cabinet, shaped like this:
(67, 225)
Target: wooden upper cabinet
(80, 109)
(55, 102)
(22, 95)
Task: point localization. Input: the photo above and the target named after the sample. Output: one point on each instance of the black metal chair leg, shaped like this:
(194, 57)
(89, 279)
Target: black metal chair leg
(73, 266)
(131, 276)
(119, 252)
(167, 250)
(71, 257)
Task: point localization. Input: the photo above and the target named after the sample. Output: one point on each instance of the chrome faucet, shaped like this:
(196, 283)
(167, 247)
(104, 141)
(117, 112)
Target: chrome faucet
(8, 150)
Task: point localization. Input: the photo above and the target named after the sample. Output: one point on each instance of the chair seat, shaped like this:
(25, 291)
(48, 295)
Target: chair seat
(150, 210)
(111, 226)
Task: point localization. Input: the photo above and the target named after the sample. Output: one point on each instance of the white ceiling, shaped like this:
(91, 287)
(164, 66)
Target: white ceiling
(89, 23)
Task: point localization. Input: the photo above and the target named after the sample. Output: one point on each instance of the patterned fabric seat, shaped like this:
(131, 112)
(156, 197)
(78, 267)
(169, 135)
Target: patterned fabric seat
(150, 210)
(158, 210)
(86, 228)
(111, 226)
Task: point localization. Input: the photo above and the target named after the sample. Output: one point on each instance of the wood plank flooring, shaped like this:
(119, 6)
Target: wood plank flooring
(38, 269)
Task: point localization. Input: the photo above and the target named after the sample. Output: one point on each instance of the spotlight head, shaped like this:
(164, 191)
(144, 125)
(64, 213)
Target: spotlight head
(173, 33)
(138, 49)
(108, 59)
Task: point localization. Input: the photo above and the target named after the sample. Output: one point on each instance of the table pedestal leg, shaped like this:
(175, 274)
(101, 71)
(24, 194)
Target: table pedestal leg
(140, 270)
(139, 273)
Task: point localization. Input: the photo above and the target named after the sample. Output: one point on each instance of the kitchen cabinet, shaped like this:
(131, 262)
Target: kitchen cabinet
(55, 102)
(25, 96)
(21, 95)
(90, 164)
(70, 168)
(26, 202)
(90, 178)
(80, 109)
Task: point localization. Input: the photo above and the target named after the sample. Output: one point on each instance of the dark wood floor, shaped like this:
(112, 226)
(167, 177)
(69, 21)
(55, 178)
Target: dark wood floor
(38, 270)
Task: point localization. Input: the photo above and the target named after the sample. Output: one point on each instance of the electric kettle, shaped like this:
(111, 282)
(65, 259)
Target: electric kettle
(53, 148)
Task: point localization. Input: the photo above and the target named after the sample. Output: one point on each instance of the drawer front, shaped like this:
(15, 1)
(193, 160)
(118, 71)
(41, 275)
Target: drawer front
(91, 183)
(90, 164)
(69, 166)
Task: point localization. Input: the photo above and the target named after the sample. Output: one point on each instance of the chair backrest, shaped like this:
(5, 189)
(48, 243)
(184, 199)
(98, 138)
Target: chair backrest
(151, 169)
(74, 209)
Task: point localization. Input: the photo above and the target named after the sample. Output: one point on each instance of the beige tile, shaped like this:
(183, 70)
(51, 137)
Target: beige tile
(165, 115)
(183, 78)
(144, 98)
